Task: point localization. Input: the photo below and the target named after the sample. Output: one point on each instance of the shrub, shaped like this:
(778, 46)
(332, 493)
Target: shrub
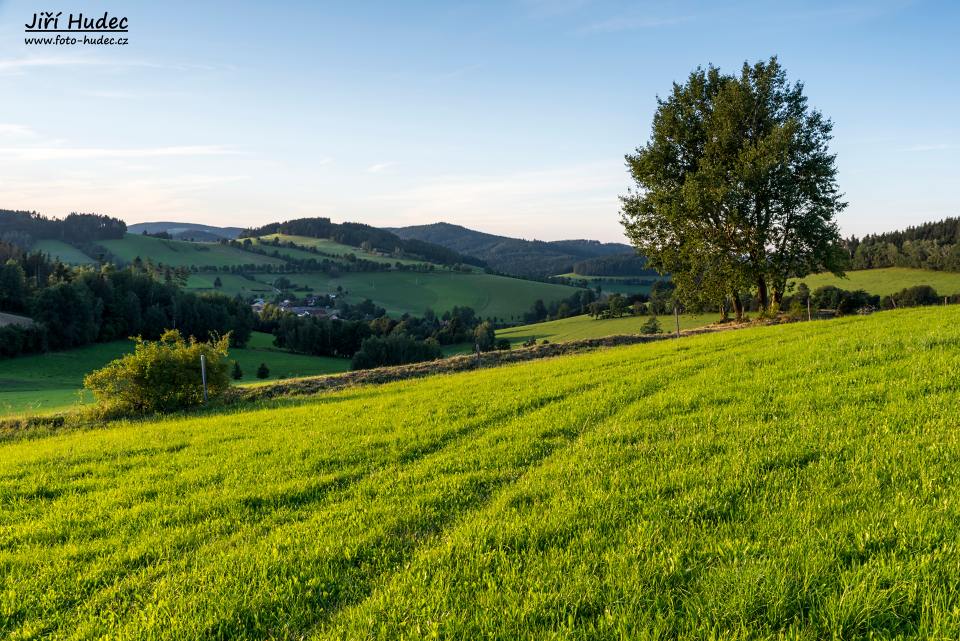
(651, 326)
(160, 376)
(263, 371)
(503, 344)
(842, 300)
(915, 296)
(237, 372)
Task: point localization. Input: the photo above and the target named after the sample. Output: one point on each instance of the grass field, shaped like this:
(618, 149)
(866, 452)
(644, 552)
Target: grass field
(888, 280)
(580, 327)
(63, 252)
(180, 253)
(233, 284)
(414, 292)
(782, 482)
(54, 381)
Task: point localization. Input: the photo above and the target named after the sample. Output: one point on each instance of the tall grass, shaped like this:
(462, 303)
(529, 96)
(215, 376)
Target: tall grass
(781, 482)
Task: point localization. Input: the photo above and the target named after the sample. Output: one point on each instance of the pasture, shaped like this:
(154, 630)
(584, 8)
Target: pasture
(888, 280)
(41, 383)
(778, 482)
(181, 253)
(62, 251)
(329, 248)
(580, 327)
(413, 292)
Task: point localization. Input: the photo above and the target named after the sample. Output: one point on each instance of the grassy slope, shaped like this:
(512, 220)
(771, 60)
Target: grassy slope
(233, 284)
(414, 292)
(889, 280)
(794, 481)
(332, 248)
(182, 253)
(578, 327)
(62, 251)
(53, 381)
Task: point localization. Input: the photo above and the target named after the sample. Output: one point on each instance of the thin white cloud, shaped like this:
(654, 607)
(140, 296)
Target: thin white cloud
(15, 131)
(85, 153)
(380, 166)
(631, 23)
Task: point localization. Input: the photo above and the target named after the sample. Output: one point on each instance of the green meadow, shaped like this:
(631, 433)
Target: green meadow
(181, 253)
(784, 482)
(62, 251)
(412, 293)
(41, 383)
(615, 284)
(888, 280)
(581, 327)
(326, 247)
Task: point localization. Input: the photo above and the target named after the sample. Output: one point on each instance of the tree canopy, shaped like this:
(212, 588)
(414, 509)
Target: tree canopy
(736, 188)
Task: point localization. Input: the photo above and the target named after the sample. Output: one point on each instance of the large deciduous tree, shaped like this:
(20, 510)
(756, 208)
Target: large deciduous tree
(736, 188)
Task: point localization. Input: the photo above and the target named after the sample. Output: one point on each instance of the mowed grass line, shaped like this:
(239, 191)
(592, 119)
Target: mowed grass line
(774, 482)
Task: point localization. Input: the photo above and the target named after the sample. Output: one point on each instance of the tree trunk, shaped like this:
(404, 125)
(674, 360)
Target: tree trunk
(724, 313)
(778, 296)
(762, 293)
(738, 306)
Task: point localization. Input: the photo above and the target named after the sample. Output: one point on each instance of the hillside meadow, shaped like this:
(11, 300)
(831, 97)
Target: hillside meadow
(584, 326)
(412, 293)
(54, 380)
(182, 253)
(887, 280)
(779, 482)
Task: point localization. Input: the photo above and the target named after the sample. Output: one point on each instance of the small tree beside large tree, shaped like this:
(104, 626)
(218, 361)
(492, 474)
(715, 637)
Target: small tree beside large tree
(736, 189)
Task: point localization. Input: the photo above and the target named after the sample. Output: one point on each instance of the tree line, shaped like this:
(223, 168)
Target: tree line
(934, 245)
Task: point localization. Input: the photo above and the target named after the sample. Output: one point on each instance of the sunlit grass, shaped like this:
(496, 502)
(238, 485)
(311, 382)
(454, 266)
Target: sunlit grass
(780, 482)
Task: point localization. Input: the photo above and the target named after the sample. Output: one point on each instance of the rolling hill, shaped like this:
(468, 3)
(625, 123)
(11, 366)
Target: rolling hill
(513, 255)
(186, 231)
(638, 492)
(179, 253)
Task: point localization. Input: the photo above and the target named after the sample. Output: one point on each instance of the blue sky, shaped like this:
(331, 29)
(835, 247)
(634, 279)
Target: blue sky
(511, 117)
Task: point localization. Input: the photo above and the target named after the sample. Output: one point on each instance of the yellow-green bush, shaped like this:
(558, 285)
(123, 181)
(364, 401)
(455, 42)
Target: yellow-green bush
(160, 376)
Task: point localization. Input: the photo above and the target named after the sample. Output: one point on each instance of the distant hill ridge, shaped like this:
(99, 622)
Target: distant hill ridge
(515, 255)
(186, 231)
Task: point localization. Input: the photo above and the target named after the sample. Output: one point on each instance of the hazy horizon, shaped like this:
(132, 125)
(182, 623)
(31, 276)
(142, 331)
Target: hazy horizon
(508, 117)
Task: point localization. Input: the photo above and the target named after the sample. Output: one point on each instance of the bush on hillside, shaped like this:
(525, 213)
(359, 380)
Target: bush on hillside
(160, 376)
(915, 296)
(843, 301)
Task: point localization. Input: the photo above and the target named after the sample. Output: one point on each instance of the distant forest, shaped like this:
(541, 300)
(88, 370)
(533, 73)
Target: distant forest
(360, 235)
(928, 246)
(22, 228)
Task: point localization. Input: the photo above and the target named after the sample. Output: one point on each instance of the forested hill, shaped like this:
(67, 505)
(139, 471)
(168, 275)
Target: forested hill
(366, 236)
(514, 255)
(23, 228)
